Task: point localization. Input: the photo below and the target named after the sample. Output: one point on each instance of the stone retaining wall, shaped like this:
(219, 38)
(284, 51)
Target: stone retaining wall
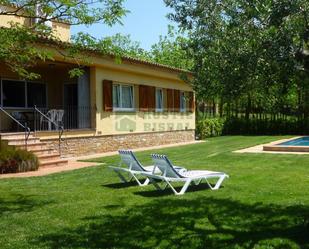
(87, 145)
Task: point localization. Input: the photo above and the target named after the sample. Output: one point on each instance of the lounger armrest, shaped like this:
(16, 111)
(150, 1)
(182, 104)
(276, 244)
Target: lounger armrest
(179, 169)
(119, 168)
(153, 176)
(115, 167)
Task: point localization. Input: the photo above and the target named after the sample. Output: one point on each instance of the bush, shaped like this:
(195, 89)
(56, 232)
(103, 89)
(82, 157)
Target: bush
(209, 127)
(13, 160)
(242, 126)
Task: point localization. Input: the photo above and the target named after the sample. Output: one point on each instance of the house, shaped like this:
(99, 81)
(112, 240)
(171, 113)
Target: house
(128, 105)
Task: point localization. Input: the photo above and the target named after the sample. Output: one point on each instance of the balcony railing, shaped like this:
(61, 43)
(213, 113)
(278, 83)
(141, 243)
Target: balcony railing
(69, 118)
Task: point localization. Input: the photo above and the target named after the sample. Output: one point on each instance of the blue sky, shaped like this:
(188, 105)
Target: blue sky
(146, 22)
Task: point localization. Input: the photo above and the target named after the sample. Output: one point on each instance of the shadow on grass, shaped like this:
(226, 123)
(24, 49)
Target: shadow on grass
(120, 185)
(182, 223)
(21, 203)
(169, 191)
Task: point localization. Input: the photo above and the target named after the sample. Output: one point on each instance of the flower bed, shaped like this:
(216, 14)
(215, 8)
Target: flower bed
(13, 160)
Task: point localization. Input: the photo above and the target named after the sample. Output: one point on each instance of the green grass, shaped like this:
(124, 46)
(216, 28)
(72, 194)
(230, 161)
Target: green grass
(264, 204)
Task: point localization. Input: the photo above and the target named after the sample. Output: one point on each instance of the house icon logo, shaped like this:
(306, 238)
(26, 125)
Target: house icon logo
(125, 123)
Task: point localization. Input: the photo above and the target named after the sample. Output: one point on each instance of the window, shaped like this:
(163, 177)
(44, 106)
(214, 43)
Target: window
(183, 101)
(159, 100)
(13, 93)
(123, 97)
(22, 94)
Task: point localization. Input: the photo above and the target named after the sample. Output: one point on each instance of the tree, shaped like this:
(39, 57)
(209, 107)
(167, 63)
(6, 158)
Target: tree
(171, 50)
(119, 44)
(18, 43)
(245, 52)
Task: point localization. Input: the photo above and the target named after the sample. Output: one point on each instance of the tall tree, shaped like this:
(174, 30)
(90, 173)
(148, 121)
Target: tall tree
(245, 51)
(171, 50)
(118, 44)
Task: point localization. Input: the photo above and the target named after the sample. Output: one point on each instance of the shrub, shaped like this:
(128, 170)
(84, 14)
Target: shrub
(209, 127)
(242, 126)
(13, 160)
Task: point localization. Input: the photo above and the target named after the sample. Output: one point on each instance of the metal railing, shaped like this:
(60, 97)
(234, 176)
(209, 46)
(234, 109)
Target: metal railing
(59, 128)
(74, 118)
(25, 127)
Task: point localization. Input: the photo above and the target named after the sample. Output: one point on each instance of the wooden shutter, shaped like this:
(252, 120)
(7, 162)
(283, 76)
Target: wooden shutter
(151, 96)
(176, 100)
(170, 99)
(107, 95)
(143, 103)
(191, 101)
(147, 98)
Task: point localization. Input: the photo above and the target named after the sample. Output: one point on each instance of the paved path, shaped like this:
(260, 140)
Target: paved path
(112, 153)
(75, 164)
(72, 165)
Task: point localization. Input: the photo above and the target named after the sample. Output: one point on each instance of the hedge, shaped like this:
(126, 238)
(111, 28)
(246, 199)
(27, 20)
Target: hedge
(209, 127)
(242, 126)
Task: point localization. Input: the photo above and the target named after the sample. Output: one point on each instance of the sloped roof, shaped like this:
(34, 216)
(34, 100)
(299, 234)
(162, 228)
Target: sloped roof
(123, 57)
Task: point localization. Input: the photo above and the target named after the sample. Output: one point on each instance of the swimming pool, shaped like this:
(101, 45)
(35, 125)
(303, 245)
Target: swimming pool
(302, 141)
(299, 144)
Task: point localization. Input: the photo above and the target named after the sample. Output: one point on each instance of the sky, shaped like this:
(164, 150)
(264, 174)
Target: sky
(145, 23)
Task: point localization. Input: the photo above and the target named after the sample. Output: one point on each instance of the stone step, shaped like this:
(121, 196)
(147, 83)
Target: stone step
(48, 157)
(54, 163)
(32, 146)
(19, 141)
(15, 135)
(44, 151)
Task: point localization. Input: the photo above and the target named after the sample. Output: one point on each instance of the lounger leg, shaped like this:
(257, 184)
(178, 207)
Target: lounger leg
(122, 178)
(139, 182)
(183, 189)
(198, 181)
(165, 186)
(156, 185)
(132, 176)
(218, 183)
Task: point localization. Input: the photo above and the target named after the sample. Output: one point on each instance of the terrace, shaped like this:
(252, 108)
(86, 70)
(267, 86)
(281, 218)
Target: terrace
(65, 101)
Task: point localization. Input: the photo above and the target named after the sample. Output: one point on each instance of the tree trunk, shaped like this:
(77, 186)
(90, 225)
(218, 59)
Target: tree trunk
(248, 107)
(221, 107)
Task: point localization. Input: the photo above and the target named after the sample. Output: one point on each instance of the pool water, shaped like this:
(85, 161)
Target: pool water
(302, 141)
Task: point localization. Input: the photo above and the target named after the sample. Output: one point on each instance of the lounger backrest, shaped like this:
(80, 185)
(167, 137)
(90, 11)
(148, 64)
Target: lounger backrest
(165, 166)
(128, 158)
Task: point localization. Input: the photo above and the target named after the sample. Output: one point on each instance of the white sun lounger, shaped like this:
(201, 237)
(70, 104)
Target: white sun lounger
(133, 168)
(169, 175)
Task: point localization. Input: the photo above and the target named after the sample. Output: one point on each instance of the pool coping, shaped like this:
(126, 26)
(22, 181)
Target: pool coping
(273, 148)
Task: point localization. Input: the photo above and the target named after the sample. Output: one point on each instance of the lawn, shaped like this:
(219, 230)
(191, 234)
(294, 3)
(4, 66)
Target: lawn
(264, 204)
